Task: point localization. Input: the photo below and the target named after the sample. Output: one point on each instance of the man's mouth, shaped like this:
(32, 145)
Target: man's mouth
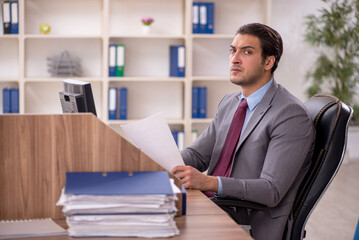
(236, 69)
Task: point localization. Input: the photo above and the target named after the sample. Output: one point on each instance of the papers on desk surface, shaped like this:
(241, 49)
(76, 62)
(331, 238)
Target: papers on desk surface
(30, 228)
(121, 204)
(153, 136)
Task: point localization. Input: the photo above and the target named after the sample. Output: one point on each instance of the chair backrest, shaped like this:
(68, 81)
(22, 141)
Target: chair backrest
(331, 119)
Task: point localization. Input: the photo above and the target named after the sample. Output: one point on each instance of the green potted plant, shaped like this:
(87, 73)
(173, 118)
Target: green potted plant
(335, 34)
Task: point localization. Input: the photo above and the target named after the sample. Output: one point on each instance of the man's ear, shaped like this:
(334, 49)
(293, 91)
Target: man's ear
(269, 63)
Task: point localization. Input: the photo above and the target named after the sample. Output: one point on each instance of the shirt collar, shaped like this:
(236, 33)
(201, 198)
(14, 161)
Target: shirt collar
(254, 99)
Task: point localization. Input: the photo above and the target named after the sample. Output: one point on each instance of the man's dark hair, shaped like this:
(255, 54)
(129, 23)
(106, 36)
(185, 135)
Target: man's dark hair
(270, 40)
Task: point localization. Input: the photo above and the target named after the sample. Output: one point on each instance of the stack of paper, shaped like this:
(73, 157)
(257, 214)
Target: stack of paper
(122, 204)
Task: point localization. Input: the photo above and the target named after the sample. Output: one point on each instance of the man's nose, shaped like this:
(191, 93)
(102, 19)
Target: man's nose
(235, 59)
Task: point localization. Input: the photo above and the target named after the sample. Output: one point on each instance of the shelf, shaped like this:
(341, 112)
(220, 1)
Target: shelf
(147, 79)
(122, 122)
(9, 36)
(210, 78)
(57, 79)
(64, 17)
(213, 36)
(149, 36)
(61, 36)
(201, 120)
(8, 79)
(86, 28)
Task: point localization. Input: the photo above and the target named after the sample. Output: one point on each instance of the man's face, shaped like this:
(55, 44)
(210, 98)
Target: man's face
(246, 63)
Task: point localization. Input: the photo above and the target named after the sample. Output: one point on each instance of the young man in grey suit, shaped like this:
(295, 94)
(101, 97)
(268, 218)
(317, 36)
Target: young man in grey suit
(273, 149)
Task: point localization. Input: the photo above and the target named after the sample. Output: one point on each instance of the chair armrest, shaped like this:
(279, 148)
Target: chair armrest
(231, 202)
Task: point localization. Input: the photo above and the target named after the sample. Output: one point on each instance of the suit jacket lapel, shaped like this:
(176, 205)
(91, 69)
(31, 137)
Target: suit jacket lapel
(259, 112)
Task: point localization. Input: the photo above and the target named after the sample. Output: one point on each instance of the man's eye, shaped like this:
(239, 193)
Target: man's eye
(232, 50)
(247, 52)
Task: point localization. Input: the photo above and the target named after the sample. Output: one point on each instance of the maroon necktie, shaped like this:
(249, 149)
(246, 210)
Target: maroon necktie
(225, 159)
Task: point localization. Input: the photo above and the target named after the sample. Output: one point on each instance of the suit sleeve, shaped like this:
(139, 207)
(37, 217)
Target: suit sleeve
(291, 135)
(200, 153)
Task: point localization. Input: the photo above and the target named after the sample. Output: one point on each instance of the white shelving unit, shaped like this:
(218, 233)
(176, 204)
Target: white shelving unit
(85, 28)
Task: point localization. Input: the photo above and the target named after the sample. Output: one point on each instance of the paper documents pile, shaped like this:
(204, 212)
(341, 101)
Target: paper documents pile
(119, 204)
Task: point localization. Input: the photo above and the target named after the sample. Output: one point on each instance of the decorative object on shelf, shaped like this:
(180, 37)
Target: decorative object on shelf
(64, 65)
(335, 32)
(45, 28)
(146, 27)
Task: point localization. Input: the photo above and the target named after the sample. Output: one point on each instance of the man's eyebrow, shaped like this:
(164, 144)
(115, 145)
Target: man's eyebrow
(244, 47)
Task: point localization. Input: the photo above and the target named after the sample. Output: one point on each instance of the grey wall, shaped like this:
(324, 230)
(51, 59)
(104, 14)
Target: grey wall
(287, 17)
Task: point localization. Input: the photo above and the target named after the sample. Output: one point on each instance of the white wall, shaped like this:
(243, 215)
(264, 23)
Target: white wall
(287, 17)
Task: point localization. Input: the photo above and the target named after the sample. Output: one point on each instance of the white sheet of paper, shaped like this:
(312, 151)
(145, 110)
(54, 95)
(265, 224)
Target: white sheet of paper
(153, 136)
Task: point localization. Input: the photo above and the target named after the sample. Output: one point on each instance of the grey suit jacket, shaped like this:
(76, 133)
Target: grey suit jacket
(271, 159)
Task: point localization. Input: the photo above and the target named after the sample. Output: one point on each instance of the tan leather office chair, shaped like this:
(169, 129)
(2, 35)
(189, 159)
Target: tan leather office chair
(331, 119)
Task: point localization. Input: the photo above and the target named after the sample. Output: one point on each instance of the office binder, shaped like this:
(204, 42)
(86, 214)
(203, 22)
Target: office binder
(195, 100)
(118, 183)
(180, 138)
(202, 102)
(210, 18)
(14, 102)
(112, 60)
(14, 7)
(6, 100)
(206, 17)
(123, 103)
(120, 60)
(6, 17)
(177, 61)
(195, 17)
(194, 135)
(175, 136)
(202, 17)
(112, 103)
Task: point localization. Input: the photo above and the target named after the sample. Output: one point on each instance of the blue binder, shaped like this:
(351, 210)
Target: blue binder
(195, 102)
(202, 102)
(123, 103)
(112, 60)
(210, 18)
(118, 183)
(14, 102)
(14, 7)
(206, 16)
(6, 100)
(195, 17)
(112, 103)
(175, 136)
(202, 17)
(177, 61)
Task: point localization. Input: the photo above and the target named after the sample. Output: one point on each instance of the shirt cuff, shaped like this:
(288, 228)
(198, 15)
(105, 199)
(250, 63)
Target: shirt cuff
(220, 188)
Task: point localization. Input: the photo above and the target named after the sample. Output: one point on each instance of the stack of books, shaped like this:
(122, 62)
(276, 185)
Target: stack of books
(119, 204)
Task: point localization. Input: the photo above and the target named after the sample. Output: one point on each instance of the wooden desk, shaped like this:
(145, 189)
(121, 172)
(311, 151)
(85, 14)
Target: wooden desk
(37, 150)
(204, 220)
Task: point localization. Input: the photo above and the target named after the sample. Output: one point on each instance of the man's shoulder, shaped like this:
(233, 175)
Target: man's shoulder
(284, 97)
